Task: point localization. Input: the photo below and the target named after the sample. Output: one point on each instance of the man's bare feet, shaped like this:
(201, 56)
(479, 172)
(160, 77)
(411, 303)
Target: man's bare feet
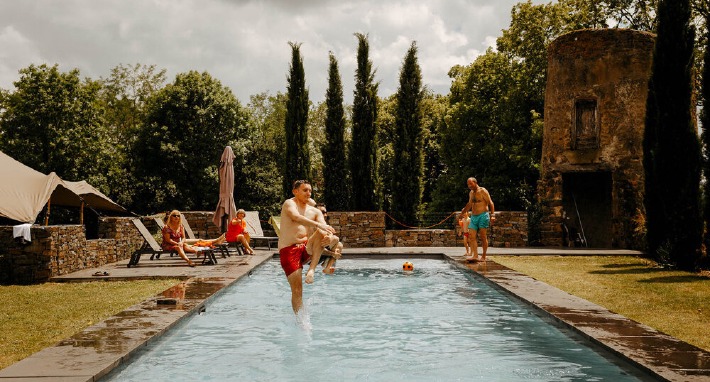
(309, 276)
(335, 254)
(329, 270)
(472, 259)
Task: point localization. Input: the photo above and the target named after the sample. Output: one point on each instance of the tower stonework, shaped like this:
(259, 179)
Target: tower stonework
(591, 182)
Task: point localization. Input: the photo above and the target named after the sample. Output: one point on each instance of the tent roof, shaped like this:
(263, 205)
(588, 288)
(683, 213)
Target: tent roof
(24, 192)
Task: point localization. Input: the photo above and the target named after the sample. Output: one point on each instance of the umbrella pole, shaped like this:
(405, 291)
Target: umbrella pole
(81, 213)
(46, 216)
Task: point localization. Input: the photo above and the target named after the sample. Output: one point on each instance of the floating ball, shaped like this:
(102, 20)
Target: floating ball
(407, 266)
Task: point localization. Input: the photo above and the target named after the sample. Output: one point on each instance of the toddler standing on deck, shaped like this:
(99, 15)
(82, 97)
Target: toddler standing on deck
(464, 220)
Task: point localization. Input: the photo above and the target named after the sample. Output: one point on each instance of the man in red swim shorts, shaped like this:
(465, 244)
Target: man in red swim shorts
(297, 216)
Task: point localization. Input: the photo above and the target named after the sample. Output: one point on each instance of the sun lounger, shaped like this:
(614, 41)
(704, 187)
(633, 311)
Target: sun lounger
(151, 246)
(222, 248)
(256, 232)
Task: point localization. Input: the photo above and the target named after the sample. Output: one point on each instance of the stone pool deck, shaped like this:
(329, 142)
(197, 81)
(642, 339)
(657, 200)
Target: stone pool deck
(92, 353)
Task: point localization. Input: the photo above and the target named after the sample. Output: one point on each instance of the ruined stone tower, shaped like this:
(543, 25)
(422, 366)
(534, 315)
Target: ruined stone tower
(591, 183)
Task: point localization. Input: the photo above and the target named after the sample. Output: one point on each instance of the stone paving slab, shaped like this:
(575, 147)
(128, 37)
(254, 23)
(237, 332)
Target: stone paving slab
(92, 353)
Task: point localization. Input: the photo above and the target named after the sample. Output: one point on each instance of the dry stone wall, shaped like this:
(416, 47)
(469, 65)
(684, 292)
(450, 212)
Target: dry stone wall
(62, 249)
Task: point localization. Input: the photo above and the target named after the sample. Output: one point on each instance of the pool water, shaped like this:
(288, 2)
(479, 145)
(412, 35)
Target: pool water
(370, 322)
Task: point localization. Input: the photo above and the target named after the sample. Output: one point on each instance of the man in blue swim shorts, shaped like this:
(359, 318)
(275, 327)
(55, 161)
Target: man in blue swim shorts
(482, 217)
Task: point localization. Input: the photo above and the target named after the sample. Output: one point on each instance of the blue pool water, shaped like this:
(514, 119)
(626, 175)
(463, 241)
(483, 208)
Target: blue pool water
(370, 322)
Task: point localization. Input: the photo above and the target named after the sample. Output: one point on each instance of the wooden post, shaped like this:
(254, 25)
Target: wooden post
(81, 213)
(46, 216)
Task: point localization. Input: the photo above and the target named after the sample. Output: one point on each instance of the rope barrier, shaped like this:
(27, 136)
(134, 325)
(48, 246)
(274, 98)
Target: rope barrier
(431, 226)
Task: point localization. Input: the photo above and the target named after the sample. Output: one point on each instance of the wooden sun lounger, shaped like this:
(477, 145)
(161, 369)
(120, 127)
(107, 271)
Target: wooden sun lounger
(151, 246)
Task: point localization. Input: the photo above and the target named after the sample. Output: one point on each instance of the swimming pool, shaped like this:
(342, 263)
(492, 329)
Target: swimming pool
(370, 322)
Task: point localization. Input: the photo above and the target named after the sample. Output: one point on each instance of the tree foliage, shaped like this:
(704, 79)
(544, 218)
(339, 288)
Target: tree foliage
(53, 122)
(188, 124)
(335, 177)
(363, 147)
(124, 93)
(298, 160)
(259, 157)
(673, 221)
(407, 171)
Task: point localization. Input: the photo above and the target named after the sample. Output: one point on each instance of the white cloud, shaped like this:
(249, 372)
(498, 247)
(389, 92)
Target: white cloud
(244, 43)
(16, 52)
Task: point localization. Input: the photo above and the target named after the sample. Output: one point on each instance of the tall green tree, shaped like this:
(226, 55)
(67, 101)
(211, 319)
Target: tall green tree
(336, 190)
(704, 10)
(298, 160)
(673, 221)
(257, 166)
(188, 124)
(53, 122)
(363, 146)
(124, 93)
(386, 133)
(316, 140)
(407, 185)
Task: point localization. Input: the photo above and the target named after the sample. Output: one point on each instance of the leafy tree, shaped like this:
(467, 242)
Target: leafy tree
(298, 161)
(488, 133)
(407, 172)
(257, 168)
(673, 221)
(125, 92)
(188, 124)
(434, 109)
(124, 95)
(316, 140)
(386, 134)
(363, 147)
(704, 10)
(336, 191)
(53, 122)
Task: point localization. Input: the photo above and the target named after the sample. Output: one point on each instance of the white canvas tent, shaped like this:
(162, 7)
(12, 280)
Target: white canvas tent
(25, 191)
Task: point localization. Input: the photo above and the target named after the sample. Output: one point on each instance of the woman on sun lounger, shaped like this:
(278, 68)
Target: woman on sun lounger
(237, 231)
(174, 237)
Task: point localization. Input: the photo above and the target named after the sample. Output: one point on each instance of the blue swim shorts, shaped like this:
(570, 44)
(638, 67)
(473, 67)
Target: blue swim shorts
(480, 221)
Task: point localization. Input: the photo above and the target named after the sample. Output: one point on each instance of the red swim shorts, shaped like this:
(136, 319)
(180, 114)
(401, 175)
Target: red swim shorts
(293, 257)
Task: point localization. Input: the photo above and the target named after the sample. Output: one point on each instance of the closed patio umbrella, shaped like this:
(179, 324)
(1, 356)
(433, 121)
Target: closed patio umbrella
(225, 206)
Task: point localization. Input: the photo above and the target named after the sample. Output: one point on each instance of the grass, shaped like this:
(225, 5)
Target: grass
(674, 302)
(34, 317)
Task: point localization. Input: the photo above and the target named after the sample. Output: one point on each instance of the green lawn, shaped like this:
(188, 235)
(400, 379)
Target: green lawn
(674, 302)
(37, 316)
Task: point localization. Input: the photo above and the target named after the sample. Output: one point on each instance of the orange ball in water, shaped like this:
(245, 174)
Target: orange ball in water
(407, 266)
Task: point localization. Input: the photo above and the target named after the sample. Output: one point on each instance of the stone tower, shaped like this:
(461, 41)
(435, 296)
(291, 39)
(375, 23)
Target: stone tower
(591, 181)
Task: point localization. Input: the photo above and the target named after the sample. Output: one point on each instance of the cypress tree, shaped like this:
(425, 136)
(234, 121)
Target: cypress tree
(297, 159)
(705, 122)
(671, 146)
(407, 183)
(363, 147)
(335, 195)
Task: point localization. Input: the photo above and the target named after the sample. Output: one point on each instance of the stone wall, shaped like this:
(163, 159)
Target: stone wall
(359, 229)
(510, 230)
(367, 229)
(62, 249)
(421, 238)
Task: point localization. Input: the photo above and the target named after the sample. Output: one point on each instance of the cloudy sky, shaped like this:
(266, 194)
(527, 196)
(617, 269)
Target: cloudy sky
(244, 43)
